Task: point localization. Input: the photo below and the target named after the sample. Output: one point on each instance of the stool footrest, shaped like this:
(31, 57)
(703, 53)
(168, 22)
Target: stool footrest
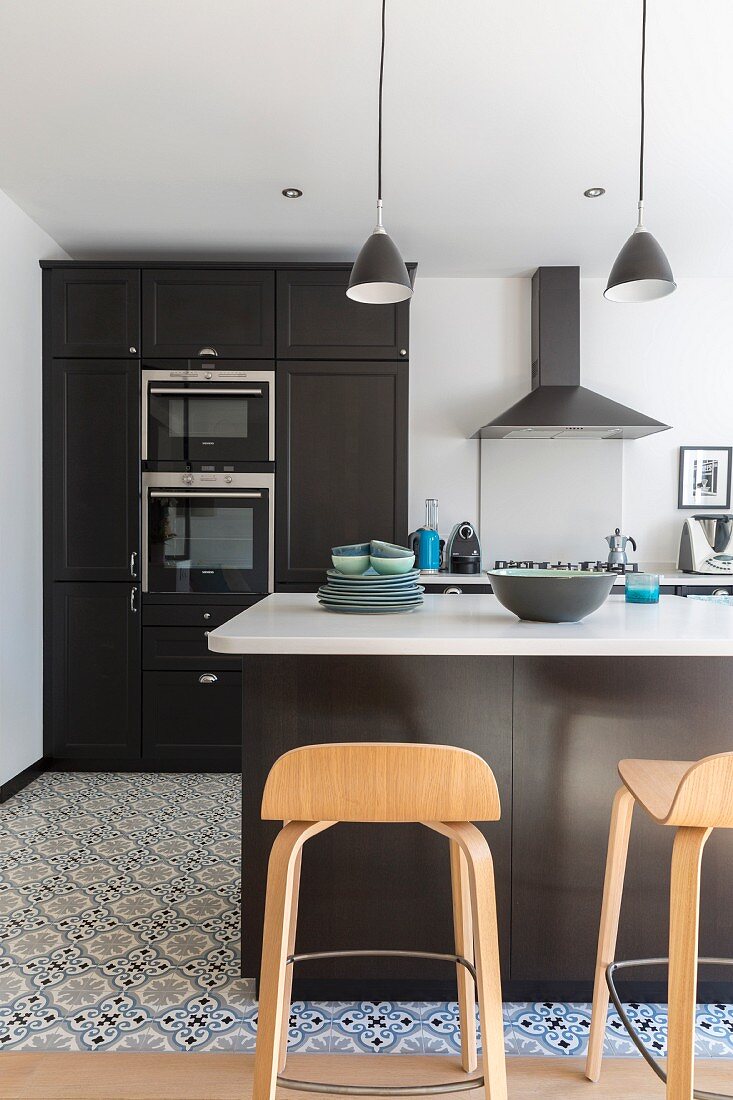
(437, 1089)
(699, 1094)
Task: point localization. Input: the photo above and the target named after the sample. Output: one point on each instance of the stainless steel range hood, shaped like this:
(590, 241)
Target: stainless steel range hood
(558, 406)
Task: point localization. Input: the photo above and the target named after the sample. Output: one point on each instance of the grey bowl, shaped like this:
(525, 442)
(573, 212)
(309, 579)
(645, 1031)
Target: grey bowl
(551, 595)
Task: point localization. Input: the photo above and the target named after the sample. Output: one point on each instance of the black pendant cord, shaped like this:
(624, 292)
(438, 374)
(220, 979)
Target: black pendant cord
(643, 119)
(381, 83)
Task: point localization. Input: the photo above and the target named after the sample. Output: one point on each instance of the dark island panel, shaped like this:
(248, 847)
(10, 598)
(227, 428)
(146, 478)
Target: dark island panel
(574, 719)
(379, 886)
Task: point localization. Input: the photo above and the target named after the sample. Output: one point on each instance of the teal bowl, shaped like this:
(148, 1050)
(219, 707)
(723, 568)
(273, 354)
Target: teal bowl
(353, 560)
(390, 560)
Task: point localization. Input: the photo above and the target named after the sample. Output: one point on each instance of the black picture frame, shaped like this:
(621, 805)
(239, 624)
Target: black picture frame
(715, 454)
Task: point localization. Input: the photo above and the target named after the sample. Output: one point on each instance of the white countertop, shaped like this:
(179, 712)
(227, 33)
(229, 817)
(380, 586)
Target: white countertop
(478, 625)
(668, 574)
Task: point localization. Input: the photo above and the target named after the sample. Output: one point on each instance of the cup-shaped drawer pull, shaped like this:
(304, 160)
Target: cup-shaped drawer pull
(208, 678)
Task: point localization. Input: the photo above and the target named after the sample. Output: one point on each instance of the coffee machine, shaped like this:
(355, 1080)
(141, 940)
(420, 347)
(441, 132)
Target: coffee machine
(706, 545)
(463, 550)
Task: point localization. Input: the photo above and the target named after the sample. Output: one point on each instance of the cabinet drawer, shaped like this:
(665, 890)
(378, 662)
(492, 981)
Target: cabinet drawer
(190, 724)
(173, 648)
(205, 615)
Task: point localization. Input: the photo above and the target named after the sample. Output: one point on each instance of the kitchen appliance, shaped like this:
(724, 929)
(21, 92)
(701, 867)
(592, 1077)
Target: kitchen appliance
(706, 545)
(196, 416)
(551, 595)
(463, 549)
(617, 543)
(208, 532)
(558, 406)
(619, 568)
(425, 542)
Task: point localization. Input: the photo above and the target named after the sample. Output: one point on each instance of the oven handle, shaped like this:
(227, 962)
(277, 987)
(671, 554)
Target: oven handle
(204, 493)
(213, 392)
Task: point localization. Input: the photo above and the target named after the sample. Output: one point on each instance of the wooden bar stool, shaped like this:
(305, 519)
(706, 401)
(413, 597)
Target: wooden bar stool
(312, 788)
(694, 797)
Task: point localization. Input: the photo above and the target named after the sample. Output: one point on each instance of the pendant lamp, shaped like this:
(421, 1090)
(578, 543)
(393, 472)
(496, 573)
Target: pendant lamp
(641, 272)
(379, 275)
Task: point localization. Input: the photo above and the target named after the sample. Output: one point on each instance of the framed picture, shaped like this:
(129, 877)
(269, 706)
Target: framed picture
(704, 477)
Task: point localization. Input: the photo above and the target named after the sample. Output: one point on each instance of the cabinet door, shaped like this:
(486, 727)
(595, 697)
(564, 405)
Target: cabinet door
(92, 413)
(95, 682)
(315, 320)
(342, 461)
(186, 312)
(95, 312)
(192, 720)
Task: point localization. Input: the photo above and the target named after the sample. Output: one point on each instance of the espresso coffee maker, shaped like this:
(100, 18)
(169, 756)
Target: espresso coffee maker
(706, 545)
(463, 550)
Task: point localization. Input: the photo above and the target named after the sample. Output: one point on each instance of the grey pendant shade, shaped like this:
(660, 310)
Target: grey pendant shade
(641, 272)
(379, 275)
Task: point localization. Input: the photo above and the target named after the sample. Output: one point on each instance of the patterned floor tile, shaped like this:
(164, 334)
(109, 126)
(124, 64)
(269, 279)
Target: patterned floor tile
(551, 1028)
(309, 1027)
(377, 1027)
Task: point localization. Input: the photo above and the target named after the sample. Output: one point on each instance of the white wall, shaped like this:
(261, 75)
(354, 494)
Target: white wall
(470, 359)
(22, 244)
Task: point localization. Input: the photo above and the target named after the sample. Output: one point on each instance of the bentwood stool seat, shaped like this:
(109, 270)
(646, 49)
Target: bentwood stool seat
(312, 788)
(694, 797)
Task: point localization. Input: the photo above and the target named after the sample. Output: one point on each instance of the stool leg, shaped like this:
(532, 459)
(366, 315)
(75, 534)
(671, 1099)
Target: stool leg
(289, 970)
(486, 945)
(684, 913)
(278, 907)
(618, 846)
(463, 929)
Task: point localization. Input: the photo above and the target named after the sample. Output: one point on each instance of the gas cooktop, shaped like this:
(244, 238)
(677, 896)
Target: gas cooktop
(581, 567)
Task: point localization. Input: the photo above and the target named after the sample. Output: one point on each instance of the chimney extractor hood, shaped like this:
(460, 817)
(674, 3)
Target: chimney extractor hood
(558, 406)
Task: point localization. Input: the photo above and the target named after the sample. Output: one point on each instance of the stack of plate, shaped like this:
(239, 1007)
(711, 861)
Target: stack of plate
(371, 592)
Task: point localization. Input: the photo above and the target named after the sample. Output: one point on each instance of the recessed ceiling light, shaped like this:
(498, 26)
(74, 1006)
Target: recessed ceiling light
(594, 192)
(292, 192)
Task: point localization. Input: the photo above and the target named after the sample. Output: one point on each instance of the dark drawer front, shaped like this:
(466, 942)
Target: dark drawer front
(190, 725)
(205, 615)
(315, 320)
(190, 313)
(174, 648)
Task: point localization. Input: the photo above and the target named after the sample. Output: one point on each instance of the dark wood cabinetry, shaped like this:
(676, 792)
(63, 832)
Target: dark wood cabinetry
(341, 472)
(315, 319)
(94, 712)
(92, 416)
(95, 312)
(189, 312)
(192, 721)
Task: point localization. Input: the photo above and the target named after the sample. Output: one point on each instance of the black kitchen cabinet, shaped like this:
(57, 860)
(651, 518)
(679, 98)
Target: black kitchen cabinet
(342, 461)
(91, 412)
(95, 312)
(172, 648)
(190, 313)
(94, 705)
(315, 319)
(192, 721)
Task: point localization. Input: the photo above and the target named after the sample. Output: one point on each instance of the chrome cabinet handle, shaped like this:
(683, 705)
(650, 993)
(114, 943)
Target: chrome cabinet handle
(208, 678)
(207, 614)
(453, 590)
(133, 593)
(208, 351)
(215, 391)
(204, 495)
(133, 563)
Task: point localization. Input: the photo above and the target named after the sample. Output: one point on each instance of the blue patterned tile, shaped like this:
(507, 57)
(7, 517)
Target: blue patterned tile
(25, 1016)
(714, 1031)
(101, 1024)
(551, 1028)
(377, 1028)
(309, 1027)
(195, 1024)
(650, 1022)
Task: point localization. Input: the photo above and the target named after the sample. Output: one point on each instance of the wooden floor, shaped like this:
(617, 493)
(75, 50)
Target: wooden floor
(29, 1076)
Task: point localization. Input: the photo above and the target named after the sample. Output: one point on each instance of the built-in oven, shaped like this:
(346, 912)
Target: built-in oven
(194, 414)
(208, 532)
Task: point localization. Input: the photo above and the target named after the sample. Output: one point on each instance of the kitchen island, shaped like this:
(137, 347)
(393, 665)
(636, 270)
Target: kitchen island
(552, 708)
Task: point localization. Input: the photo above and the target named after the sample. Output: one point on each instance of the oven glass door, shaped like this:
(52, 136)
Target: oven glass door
(209, 422)
(202, 541)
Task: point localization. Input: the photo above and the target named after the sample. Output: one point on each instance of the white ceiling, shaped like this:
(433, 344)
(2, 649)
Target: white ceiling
(167, 128)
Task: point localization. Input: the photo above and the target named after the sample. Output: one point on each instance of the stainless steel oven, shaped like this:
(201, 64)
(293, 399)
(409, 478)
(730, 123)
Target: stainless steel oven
(208, 532)
(195, 414)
